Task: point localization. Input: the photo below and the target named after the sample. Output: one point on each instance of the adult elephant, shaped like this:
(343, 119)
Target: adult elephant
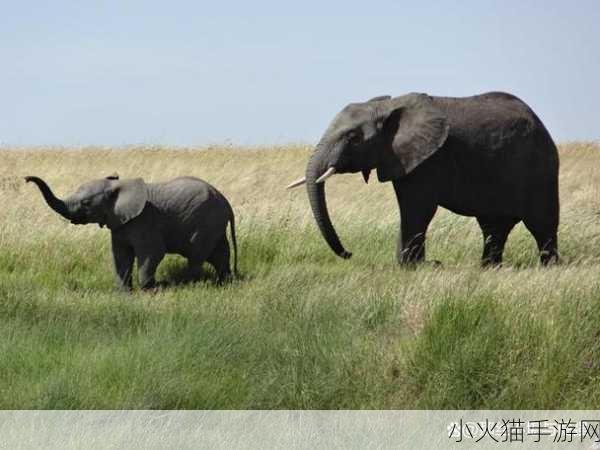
(487, 156)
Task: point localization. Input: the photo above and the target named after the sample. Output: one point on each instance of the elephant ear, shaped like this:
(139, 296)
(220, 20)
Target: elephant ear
(129, 198)
(414, 129)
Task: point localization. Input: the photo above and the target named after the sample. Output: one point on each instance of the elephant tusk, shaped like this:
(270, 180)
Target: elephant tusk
(298, 182)
(326, 175)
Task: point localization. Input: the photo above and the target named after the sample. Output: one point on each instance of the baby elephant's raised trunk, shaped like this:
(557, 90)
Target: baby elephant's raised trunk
(56, 204)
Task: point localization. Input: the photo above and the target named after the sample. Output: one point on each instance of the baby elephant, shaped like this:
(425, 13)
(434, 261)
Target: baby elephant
(186, 216)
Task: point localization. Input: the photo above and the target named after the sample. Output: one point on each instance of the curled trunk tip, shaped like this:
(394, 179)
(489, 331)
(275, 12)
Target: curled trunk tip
(56, 204)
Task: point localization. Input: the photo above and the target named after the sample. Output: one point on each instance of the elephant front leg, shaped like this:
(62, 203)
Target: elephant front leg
(416, 213)
(411, 242)
(123, 257)
(148, 260)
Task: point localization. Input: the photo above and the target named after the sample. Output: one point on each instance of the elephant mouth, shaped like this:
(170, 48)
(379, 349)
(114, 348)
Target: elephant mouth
(82, 221)
(79, 220)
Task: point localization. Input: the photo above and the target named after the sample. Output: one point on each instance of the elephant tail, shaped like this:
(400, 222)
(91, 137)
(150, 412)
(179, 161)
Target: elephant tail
(234, 241)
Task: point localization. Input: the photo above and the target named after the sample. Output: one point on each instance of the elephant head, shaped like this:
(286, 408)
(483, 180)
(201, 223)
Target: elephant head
(391, 135)
(108, 201)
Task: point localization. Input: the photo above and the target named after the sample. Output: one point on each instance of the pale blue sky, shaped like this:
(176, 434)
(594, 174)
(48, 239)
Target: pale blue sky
(195, 72)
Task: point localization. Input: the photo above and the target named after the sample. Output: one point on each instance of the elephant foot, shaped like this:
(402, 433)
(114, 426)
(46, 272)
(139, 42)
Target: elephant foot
(224, 278)
(434, 263)
(156, 287)
(549, 259)
(488, 264)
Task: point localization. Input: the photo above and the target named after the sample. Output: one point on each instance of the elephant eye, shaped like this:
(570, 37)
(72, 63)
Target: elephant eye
(86, 202)
(354, 138)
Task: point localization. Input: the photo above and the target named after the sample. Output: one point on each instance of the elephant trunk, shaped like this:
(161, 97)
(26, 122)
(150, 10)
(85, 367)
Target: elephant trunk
(316, 195)
(56, 204)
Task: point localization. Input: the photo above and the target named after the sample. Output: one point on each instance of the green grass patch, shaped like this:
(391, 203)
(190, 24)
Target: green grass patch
(301, 329)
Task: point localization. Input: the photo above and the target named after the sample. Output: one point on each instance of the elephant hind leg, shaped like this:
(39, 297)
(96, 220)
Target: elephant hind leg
(542, 219)
(201, 246)
(194, 269)
(495, 232)
(545, 235)
(219, 259)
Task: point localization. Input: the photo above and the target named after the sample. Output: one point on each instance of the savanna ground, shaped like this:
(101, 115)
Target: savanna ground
(302, 328)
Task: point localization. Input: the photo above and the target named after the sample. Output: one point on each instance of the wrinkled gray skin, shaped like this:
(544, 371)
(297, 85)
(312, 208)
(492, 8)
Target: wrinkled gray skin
(186, 216)
(487, 156)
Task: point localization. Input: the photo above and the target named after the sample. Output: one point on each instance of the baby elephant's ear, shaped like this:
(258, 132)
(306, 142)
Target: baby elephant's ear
(130, 197)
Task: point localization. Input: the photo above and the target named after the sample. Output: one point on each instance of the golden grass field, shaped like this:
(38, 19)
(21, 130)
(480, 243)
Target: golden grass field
(301, 328)
(254, 180)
